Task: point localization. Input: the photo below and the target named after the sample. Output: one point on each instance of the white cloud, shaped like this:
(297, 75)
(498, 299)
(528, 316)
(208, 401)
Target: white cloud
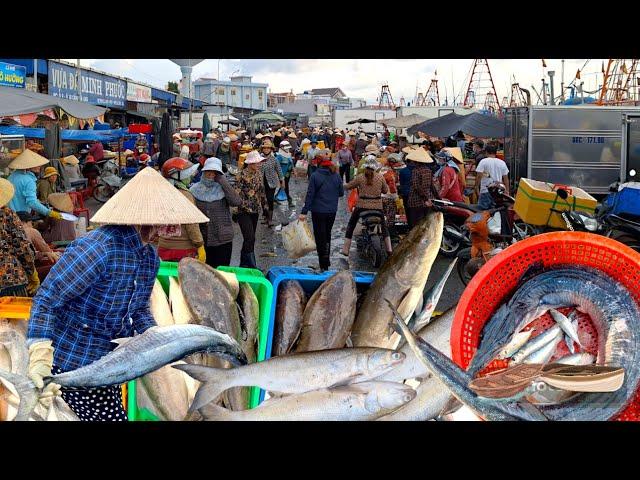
(358, 77)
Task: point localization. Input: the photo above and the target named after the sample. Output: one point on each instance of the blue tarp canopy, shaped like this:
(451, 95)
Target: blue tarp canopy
(162, 95)
(68, 135)
(475, 124)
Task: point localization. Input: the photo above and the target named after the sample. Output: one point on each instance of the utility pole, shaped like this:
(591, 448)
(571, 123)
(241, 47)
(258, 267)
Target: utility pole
(562, 82)
(551, 74)
(544, 92)
(35, 74)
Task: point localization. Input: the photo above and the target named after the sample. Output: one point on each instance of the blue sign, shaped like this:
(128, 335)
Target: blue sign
(97, 88)
(12, 75)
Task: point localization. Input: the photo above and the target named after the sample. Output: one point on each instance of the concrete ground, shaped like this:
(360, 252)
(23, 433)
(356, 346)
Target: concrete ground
(270, 251)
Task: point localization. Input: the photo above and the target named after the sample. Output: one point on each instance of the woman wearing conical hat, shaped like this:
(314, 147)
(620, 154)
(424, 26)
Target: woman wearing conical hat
(100, 288)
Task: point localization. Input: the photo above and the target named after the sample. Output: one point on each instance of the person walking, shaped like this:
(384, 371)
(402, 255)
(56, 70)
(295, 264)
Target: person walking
(490, 169)
(250, 188)
(420, 189)
(371, 185)
(285, 159)
(272, 178)
(187, 242)
(214, 196)
(325, 187)
(346, 161)
(225, 153)
(361, 144)
(310, 156)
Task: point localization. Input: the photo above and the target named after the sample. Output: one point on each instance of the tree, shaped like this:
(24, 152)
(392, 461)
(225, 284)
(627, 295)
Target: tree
(173, 87)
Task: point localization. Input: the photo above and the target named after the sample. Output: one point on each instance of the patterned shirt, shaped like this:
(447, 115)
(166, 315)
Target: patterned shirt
(369, 196)
(16, 253)
(98, 291)
(420, 190)
(250, 187)
(272, 171)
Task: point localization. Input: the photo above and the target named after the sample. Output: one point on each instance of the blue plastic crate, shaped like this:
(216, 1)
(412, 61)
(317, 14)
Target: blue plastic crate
(625, 202)
(310, 281)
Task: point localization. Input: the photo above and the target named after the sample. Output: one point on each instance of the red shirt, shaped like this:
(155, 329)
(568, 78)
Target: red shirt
(450, 185)
(390, 178)
(97, 151)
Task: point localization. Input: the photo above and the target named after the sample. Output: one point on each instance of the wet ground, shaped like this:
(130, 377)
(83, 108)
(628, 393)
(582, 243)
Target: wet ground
(270, 252)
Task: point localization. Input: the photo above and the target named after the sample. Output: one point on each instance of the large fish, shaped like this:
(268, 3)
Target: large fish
(428, 404)
(295, 373)
(14, 357)
(329, 314)
(159, 305)
(144, 353)
(179, 307)
(614, 314)
(457, 381)
(288, 321)
(362, 401)
(208, 296)
(167, 391)
(401, 281)
(250, 309)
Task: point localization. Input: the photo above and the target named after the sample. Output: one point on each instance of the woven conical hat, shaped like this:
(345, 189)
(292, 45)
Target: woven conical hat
(61, 202)
(28, 159)
(148, 199)
(6, 191)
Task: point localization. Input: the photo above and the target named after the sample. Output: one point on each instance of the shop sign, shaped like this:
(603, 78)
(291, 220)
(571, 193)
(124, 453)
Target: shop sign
(96, 88)
(138, 93)
(12, 75)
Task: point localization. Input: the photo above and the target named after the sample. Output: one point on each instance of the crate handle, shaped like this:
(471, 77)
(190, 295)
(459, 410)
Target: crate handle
(557, 186)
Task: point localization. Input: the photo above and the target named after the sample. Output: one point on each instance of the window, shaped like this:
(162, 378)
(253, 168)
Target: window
(220, 91)
(246, 97)
(233, 91)
(260, 94)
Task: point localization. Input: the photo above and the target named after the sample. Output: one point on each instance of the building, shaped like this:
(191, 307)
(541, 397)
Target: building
(275, 100)
(333, 92)
(238, 92)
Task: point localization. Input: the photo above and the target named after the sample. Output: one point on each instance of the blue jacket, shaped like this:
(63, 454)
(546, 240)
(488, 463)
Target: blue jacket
(323, 192)
(25, 198)
(286, 164)
(405, 180)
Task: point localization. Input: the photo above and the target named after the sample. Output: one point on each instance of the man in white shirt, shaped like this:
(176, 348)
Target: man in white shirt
(490, 170)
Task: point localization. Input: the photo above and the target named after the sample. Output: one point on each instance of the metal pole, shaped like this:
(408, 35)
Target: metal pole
(35, 73)
(544, 92)
(190, 97)
(218, 91)
(562, 82)
(551, 74)
(79, 83)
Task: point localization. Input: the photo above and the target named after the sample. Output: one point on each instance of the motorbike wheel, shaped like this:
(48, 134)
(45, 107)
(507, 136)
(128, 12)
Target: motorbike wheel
(464, 256)
(375, 251)
(449, 247)
(522, 230)
(626, 239)
(102, 192)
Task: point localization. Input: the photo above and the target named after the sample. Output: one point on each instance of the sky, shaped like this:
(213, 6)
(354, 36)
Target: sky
(361, 78)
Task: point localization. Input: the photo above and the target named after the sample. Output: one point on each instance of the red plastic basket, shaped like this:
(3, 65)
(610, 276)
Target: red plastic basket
(500, 275)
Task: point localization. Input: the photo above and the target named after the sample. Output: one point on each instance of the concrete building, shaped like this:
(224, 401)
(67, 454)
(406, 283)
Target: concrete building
(275, 100)
(238, 92)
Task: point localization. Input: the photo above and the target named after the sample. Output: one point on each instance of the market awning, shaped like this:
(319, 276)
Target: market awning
(475, 124)
(361, 120)
(18, 101)
(229, 121)
(67, 135)
(267, 117)
(403, 122)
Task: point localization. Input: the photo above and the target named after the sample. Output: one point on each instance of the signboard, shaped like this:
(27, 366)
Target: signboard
(138, 93)
(96, 88)
(12, 75)
(149, 109)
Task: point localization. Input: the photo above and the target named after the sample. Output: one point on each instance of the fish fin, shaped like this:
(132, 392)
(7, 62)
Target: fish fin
(207, 393)
(349, 342)
(452, 405)
(243, 324)
(194, 416)
(408, 303)
(27, 392)
(345, 381)
(121, 341)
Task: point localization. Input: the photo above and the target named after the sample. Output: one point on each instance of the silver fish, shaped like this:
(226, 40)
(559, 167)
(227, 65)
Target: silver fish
(427, 405)
(544, 354)
(577, 359)
(537, 343)
(518, 340)
(566, 325)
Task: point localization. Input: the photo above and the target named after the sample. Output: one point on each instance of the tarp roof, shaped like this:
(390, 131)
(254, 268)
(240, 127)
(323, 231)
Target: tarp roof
(267, 117)
(18, 101)
(403, 122)
(67, 135)
(475, 124)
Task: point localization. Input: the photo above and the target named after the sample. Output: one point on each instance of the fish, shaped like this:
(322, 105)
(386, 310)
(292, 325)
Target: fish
(59, 411)
(401, 281)
(565, 324)
(179, 307)
(614, 314)
(208, 297)
(359, 402)
(28, 393)
(250, 314)
(544, 354)
(14, 357)
(430, 301)
(577, 359)
(427, 405)
(536, 344)
(296, 372)
(329, 315)
(159, 305)
(167, 391)
(457, 381)
(518, 340)
(288, 321)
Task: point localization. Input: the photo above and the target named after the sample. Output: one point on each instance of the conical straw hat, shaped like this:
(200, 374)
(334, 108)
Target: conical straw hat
(61, 202)
(6, 191)
(420, 155)
(148, 199)
(28, 159)
(70, 160)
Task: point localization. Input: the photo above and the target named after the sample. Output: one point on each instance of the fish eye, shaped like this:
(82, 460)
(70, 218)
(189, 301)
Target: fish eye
(407, 398)
(396, 356)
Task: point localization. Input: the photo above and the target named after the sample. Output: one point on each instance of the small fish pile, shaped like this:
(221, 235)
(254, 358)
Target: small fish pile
(572, 301)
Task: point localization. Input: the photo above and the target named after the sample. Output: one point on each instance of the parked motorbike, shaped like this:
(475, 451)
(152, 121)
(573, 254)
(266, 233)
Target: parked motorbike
(109, 181)
(370, 240)
(453, 236)
(624, 228)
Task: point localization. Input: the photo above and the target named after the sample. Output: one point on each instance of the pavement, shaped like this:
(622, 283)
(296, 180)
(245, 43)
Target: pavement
(270, 251)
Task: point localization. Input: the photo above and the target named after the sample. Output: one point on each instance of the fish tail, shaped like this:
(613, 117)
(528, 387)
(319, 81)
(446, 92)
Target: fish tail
(217, 413)
(214, 382)
(27, 392)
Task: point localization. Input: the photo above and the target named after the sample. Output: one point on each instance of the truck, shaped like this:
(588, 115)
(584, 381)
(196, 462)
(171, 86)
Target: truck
(340, 118)
(587, 146)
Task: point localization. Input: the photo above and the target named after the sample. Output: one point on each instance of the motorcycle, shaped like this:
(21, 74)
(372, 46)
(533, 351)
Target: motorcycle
(369, 242)
(623, 227)
(453, 236)
(109, 181)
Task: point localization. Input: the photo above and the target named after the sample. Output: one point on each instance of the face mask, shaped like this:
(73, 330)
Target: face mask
(208, 182)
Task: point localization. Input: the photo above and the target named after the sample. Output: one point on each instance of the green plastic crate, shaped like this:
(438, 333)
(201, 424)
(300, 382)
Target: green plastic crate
(264, 292)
